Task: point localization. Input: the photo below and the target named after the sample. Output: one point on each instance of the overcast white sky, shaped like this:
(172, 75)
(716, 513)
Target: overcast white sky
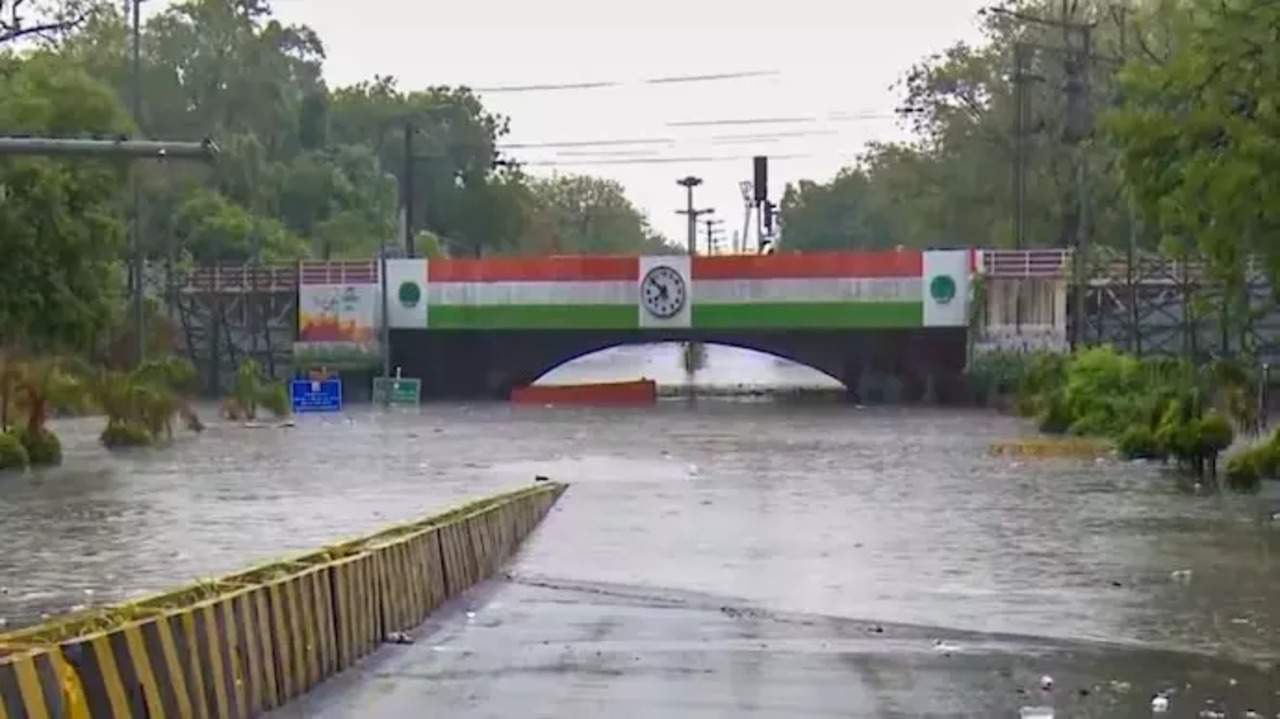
(835, 62)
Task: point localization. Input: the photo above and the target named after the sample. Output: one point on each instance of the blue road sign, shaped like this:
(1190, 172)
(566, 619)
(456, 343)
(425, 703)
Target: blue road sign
(323, 395)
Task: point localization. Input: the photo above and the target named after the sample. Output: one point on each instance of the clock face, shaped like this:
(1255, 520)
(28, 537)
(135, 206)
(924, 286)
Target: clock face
(662, 292)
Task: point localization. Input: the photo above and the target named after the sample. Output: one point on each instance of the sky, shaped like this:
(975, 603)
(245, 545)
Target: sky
(827, 70)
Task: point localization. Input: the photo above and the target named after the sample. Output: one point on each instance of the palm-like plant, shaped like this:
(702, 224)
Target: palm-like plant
(251, 391)
(31, 390)
(140, 405)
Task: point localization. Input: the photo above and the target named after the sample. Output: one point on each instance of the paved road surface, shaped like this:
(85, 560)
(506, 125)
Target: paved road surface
(541, 649)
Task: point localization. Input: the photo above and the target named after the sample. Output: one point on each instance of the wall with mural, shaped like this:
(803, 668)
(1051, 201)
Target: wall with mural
(338, 315)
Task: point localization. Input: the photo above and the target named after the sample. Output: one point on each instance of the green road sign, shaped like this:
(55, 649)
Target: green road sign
(398, 391)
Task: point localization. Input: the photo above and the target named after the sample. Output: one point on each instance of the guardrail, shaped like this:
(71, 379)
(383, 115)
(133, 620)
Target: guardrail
(247, 643)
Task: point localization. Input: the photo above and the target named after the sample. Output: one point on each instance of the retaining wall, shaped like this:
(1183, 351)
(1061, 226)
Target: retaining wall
(247, 643)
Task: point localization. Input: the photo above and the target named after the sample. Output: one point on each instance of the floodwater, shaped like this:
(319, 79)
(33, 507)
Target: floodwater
(875, 514)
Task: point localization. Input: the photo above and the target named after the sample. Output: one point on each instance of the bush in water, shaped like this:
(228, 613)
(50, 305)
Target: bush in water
(1155, 408)
(12, 454)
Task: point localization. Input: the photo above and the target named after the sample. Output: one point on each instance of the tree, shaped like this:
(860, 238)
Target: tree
(1198, 134)
(28, 19)
(460, 189)
(589, 215)
(211, 228)
(953, 183)
(60, 233)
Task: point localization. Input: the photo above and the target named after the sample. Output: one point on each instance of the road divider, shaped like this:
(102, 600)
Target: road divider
(244, 644)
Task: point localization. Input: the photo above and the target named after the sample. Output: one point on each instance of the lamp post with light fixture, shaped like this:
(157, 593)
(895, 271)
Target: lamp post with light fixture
(691, 215)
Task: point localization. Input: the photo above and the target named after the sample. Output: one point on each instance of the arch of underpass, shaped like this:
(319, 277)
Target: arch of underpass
(806, 354)
(474, 364)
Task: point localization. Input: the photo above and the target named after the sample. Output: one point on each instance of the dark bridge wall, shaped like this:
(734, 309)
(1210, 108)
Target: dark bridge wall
(473, 364)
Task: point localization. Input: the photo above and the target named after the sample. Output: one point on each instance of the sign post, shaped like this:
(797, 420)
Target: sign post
(400, 391)
(311, 396)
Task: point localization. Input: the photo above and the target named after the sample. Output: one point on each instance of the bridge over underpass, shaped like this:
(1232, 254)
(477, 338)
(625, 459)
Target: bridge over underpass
(480, 327)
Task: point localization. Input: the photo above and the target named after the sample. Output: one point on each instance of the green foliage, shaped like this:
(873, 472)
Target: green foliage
(126, 433)
(42, 445)
(141, 405)
(1197, 137)
(1150, 409)
(1247, 468)
(12, 454)
(274, 397)
(60, 230)
(253, 389)
(578, 214)
(1139, 442)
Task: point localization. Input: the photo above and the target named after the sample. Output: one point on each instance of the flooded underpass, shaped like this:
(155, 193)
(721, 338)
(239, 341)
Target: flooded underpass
(709, 559)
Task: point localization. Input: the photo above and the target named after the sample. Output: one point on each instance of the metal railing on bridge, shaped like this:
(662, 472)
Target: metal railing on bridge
(1105, 268)
(235, 278)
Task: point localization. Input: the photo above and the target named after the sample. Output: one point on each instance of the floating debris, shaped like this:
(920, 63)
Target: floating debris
(1159, 704)
(399, 638)
(1046, 447)
(1036, 713)
(1180, 575)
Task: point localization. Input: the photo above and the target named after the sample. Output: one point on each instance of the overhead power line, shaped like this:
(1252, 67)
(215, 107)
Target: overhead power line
(728, 139)
(833, 117)
(690, 160)
(599, 85)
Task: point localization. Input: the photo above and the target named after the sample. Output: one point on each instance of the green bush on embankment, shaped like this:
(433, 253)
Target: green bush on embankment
(1149, 408)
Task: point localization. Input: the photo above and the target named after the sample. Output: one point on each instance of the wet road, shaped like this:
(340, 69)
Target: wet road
(541, 649)
(819, 517)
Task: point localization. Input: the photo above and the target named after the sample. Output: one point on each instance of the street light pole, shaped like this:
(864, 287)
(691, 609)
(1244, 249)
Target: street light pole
(691, 214)
(688, 183)
(135, 227)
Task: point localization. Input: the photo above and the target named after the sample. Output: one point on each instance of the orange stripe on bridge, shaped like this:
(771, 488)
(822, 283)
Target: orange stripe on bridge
(535, 269)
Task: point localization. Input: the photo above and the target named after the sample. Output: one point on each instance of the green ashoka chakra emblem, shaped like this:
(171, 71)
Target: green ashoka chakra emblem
(410, 294)
(942, 289)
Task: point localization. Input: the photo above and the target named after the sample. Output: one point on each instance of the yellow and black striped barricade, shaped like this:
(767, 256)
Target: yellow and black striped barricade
(211, 660)
(303, 619)
(358, 624)
(459, 563)
(411, 578)
(36, 683)
(481, 540)
(248, 643)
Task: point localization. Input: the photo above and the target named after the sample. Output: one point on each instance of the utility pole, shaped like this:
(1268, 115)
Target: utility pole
(135, 227)
(407, 189)
(1077, 67)
(691, 214)
(1080, 127)
(712, 226)
(1020, 79)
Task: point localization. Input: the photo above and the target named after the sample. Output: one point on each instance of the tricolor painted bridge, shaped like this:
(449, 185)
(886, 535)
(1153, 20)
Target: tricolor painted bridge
(480, 327)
